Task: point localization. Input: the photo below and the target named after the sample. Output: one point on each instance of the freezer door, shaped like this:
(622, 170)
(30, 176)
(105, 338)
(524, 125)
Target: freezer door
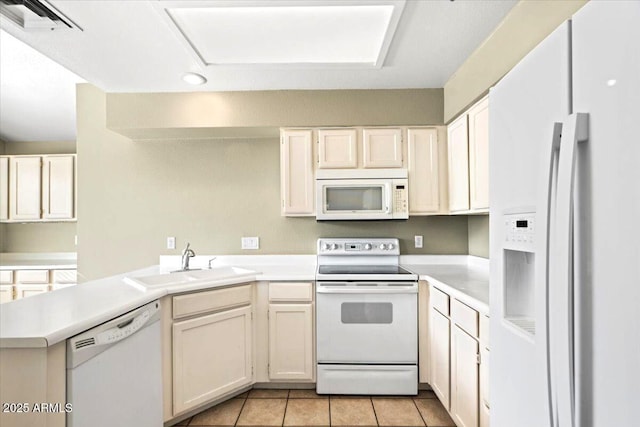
(606, 85)
(524, 109)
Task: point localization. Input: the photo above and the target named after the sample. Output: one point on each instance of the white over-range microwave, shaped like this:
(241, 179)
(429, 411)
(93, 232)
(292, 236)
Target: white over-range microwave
(362, 194)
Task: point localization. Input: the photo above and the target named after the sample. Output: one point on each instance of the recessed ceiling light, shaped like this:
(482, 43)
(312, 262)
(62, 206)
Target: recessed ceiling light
(194, 78)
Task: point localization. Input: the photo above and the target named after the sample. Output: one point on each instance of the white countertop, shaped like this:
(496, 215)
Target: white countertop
(38, 261)
(468, 283)
(46, 319)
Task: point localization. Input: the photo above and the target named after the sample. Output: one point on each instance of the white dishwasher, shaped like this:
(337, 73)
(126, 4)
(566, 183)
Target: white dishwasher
(114, 375)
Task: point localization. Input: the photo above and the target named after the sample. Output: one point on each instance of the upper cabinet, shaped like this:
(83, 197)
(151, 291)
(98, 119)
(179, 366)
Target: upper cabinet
(296, 173)
(424, 182)
(58, 184)
(337, 148)
(4, 188)
(468, 144)
(39, 188)
(479, 155)
(25, 188)
(381, 148)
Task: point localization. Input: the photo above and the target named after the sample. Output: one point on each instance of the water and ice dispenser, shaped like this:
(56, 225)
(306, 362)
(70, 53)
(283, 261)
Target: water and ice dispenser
(519, 270)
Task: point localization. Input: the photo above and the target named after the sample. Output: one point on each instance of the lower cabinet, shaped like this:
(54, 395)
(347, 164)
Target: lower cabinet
(290, 342)
(459, 359)
(440, 355)
(464, 378)
(211, 356)
(291, 329)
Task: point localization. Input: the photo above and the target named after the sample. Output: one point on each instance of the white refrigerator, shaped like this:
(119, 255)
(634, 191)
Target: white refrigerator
(565, 227)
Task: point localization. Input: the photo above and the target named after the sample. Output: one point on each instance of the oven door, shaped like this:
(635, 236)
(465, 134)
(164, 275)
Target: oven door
(364, 323)
(354, 199)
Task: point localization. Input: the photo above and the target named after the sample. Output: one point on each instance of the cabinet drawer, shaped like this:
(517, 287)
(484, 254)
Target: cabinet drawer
(32, 276)
(6, 277)
(484, 330)
(440, 301)
(290, 291)
(465, 317)
(24, 291)
(202, 302)
(6, 293)
(64, 276)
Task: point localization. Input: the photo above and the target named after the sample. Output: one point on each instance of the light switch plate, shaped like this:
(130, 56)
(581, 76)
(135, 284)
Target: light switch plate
(417, 241)
(250, 243)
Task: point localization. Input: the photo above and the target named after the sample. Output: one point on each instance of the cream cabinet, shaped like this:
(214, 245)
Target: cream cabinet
(212, 355)
(207, 346)
(40, 188)
(479, 156)
(296, 173)
(468, 152)
(58, 183)
(290, 314)
(23, 291)
(4, 188)
(484, 371)
(337, 148)
(440, 334)
(464, 378)
(16, 284)
(382, 148)
(458, 150)
(6, 293)
(25, 188)
(423, 169)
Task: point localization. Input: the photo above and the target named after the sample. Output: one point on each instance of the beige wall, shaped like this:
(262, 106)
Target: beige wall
(38, 237)
(132, 195)
(526, 25)
(479, 235)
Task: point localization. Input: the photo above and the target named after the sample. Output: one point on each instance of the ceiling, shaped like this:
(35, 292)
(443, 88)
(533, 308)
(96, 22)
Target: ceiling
(142, 46)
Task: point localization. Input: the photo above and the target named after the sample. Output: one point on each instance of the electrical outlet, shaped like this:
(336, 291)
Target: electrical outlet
(171, 242)
(417, 240)
(250, 243)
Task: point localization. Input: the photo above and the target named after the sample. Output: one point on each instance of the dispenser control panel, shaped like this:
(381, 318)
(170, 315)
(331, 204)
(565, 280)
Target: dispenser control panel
(519, 231)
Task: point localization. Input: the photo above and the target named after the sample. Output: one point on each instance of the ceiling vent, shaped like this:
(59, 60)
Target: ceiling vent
(35, 15)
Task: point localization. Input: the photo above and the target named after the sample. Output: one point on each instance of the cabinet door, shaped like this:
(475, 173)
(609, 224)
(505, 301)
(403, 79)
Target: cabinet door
(25, 188)
(58, 177)
(23, 291)
(440, 352)
(484, 387)
(6, 293)
(422, 160)
(211, 356)
(382, 148)
(4, 188)
(458, 165)
(479, 155)
(291, 342)
(296, 173)
(464, 378)
(337, 148)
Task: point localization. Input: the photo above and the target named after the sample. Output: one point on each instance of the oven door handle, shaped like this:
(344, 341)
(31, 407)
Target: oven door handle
(362, 289)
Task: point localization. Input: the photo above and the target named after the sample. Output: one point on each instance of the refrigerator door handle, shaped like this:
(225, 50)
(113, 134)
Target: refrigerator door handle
(575, 130)
(547, 205)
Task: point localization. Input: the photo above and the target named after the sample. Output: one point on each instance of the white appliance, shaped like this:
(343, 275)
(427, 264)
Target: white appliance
(361, 194)
(114, 375)
(367, 319)
(565, 250)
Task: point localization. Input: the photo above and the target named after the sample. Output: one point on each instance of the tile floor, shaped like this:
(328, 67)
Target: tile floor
(260, 407)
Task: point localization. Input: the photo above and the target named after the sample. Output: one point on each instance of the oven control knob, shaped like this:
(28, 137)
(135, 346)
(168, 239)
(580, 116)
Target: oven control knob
(334, 246)
(383, 246)
(326, 246)
(390, 246)
(367, 246)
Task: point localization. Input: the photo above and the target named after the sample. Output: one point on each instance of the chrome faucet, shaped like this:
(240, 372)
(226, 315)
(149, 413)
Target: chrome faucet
(186, 254)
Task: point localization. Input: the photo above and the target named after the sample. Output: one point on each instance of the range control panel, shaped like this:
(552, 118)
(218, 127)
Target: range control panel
(519, 231)
(346, 247)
